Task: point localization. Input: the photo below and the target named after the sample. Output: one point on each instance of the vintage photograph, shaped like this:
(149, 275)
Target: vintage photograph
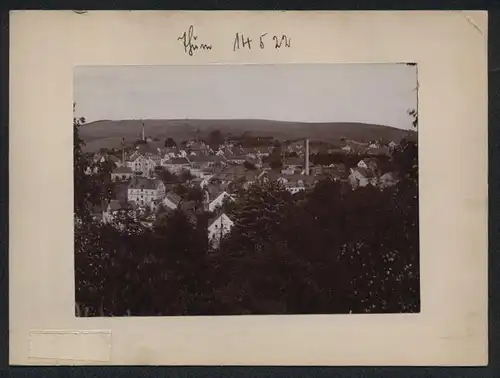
(246, 190)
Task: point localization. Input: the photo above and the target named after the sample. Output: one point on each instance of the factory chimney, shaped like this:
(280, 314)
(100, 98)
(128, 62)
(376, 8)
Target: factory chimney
(123, 151)
(307, 157)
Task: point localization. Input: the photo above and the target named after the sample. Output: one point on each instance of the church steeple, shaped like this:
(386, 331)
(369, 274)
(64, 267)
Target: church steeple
(143, 134)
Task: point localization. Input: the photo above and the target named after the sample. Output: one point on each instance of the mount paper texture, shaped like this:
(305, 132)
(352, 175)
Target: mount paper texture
(450, 52)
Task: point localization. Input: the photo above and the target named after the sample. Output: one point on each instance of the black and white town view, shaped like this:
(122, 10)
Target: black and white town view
(246, 190)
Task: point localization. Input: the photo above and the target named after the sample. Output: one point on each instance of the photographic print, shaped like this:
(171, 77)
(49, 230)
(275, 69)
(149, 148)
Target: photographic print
(246, 190)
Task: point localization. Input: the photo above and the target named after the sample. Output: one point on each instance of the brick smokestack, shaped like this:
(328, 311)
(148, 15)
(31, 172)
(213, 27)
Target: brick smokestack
(307, 156)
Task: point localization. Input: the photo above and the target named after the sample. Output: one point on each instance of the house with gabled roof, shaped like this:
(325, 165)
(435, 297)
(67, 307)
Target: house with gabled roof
(361, 177)
(369, 163)
(215, 197)
(387, 180)
(219, 227)
(171, 200)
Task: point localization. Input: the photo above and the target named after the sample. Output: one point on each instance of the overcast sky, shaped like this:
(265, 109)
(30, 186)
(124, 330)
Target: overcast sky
(372, 93)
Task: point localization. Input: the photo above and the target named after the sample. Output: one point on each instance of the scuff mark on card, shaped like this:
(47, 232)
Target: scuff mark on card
(474, 25)
(70, 345)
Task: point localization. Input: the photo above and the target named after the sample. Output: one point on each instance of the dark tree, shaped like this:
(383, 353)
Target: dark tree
(165, 175)
(169, 142)
(215, 139)
(181, 190)
(249, 165)
(185, 176)
(413, 113)
(194, 194)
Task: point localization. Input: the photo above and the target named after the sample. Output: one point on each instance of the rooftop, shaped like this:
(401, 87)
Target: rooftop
(173, 197)
(178, 160)
(123, 170)
(206, 158)
(144, 183)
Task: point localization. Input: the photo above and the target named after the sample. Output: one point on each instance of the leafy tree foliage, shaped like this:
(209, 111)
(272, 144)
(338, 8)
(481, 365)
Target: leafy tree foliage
(169, 142)
(249, 166)
(215, 139)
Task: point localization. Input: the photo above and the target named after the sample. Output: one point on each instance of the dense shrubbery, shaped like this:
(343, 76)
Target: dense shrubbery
(333, 251)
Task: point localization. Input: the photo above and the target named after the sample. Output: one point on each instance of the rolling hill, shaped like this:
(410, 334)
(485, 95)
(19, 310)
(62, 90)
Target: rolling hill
(108, 134)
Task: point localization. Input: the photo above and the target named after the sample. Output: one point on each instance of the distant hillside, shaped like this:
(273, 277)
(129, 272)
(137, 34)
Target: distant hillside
(108, 134)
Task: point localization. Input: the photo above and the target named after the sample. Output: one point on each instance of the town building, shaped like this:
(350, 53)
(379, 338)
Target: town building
(142, 165)
(369, 163)
(214, 197)
(387, 180)
(122, 173)
(204, 162)
(142, 190)
(172, 200)
(177, 165)
(229, 174)
(111, 209)
(361, 177)
(218, 228)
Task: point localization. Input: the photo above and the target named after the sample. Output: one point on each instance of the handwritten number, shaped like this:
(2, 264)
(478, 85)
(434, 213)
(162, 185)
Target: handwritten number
(279, 42)
(248, 42)
(236, 44)
(245, 42)
(262, 40)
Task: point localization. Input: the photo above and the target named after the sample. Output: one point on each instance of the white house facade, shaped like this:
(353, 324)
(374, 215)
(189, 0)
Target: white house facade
(219, 228)
(122, 173)
(143, 190)
(143, 165)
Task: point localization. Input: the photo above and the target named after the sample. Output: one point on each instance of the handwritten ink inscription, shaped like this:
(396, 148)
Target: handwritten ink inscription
(241, 41)
(190, 42)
